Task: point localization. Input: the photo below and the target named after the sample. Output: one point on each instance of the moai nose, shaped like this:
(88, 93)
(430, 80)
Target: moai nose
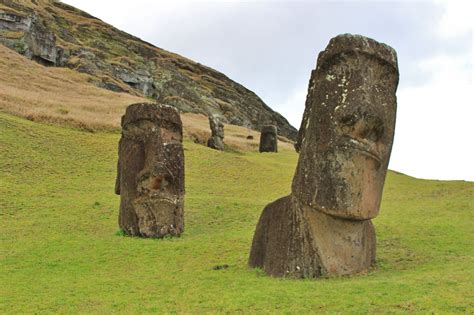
(362, 126)
(372, 128)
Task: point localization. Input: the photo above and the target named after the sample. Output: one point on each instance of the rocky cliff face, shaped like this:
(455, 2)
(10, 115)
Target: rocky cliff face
(56, 34)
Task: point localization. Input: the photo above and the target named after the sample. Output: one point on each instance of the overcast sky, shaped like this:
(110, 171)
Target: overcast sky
(271, 47)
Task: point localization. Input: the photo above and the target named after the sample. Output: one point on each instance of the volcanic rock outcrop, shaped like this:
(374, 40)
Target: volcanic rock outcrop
(268, 139)
(56, 34)
(150, 171)
(323, 228)
(216, 141)
(29, 36)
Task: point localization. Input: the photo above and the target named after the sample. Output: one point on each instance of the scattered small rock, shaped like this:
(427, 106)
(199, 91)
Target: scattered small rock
(220, 267)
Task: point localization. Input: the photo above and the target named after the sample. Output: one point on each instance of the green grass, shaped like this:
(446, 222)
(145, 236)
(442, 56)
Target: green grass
(62, 251)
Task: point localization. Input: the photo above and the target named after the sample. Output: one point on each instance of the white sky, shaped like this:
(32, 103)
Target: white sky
(271, 47)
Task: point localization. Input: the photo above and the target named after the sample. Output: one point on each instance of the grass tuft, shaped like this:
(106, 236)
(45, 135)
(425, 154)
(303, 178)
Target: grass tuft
(120, 232)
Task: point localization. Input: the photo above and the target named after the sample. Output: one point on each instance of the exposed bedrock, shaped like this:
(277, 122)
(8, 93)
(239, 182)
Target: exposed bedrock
(56, 34)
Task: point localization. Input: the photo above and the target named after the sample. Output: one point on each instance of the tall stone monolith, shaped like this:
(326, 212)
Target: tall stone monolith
(150, 171)
(324, 228)
(216, 141)
(268, 139)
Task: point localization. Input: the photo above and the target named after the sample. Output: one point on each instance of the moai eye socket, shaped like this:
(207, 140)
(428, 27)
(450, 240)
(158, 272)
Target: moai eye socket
(348, 120)
(347, 124)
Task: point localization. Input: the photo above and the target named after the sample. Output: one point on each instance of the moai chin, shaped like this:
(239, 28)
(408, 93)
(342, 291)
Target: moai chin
(268, 139)
(323, 228)
(150, 171)
(216, 141)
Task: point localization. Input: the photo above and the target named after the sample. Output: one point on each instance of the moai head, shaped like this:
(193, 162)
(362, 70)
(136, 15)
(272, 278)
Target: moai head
(347, 132)
(217, 127)
(151, 171)
(268, 139)
(217, 133)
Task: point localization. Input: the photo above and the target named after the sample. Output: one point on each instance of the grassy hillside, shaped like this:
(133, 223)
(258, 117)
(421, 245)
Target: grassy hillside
(60, 251)
(56, 34)
(58, 95)
(64, 97)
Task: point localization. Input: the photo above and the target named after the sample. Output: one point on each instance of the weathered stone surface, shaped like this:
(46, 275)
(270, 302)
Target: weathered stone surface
(32, 38)
(294, 240)
(150, 171)
(268, 139)
(216, 141)
(345, 140)
(304, 121)
(139, 79)
(349, 126)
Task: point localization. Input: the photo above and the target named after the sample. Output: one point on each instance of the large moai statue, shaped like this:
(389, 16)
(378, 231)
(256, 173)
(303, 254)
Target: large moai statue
(324, 227)
(150, 171)
(268, 139)
(216, 141)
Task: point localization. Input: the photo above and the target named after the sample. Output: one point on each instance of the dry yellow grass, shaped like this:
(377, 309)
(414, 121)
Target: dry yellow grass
(65, 97)
(196, 128)
(57, 95)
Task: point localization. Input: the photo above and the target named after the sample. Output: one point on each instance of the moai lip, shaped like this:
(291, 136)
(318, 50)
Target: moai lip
(268, 139)
(323, 228)
(150, 171)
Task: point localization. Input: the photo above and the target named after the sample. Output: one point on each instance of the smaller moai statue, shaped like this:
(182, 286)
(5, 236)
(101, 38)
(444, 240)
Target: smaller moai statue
(268, 139)
(216, 141)
(150, 171)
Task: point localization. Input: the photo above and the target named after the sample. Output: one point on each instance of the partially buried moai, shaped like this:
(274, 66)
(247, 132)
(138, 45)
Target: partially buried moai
(323, 228)
(150, 171)
(268, 139)
(216, 141)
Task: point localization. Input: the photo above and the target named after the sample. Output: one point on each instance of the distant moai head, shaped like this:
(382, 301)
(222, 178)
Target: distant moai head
(150, 176)
(347, 131)
(217, 127)
(268, 139)
(216, 141)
